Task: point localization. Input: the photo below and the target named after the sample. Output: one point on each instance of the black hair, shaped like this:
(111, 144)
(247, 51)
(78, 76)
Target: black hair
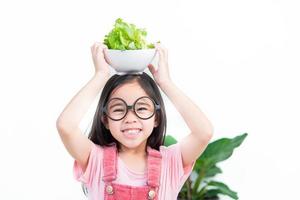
(102, 136)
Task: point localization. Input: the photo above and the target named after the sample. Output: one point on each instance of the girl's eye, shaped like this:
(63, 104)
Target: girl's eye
(118, 110)
(144, 108)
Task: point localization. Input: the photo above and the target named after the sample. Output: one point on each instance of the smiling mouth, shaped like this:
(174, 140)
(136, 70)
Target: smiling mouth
(131, 132)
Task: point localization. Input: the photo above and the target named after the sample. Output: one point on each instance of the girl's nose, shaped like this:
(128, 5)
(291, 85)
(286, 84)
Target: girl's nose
(130, 116)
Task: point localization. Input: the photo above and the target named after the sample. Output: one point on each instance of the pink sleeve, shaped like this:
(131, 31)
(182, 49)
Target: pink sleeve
(179, 174)
(93, 167)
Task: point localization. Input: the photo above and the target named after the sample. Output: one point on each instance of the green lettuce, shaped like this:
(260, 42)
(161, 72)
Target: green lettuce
(126, 36)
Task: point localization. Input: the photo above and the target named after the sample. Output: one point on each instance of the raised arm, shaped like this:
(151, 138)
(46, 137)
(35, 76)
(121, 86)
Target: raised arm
(201, 129)
(76, 143)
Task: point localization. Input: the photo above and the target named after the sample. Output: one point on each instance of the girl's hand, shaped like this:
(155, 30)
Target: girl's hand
(161, 74)
(101, 66)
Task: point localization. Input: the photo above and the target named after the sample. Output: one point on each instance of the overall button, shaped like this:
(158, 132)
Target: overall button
(151, 194)
(109, 189)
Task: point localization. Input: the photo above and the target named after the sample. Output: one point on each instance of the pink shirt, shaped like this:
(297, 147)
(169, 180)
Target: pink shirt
(173, 175)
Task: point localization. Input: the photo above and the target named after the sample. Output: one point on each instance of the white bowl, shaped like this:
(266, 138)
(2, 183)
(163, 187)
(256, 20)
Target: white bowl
(129, 61)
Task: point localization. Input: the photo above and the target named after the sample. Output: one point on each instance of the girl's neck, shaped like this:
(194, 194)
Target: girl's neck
(139, 151)
(134, 160)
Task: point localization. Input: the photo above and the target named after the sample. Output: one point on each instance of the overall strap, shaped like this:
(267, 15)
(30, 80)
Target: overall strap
(154, 167)
(109, 163)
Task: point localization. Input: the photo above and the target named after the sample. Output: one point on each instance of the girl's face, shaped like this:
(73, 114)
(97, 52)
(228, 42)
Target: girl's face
(131, 131)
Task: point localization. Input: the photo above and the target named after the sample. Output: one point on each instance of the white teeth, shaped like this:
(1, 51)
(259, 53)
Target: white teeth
(132, 131)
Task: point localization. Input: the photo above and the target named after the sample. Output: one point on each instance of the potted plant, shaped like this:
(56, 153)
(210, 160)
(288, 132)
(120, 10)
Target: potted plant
(203, 186)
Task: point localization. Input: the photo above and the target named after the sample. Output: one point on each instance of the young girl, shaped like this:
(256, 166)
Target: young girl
(123, 157)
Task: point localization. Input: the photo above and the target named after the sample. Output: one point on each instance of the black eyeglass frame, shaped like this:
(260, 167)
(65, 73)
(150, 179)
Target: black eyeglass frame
(128, 107)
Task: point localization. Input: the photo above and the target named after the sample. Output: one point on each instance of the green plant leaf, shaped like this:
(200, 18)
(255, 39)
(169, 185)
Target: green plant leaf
(202, 175)
(216, 151)
(206, 168)
(169, 140)
(221, 188)
(220, 150)
(212, 193)
(214, 170)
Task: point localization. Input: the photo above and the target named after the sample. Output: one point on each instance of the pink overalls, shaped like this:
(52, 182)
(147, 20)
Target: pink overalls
(115, 191)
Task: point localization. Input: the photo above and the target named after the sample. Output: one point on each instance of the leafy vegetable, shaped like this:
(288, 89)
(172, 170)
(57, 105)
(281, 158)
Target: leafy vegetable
(126, 36)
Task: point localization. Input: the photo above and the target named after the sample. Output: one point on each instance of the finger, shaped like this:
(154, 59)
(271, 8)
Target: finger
(98, 43)
(166, 54)
(100, 47)
(151, 68)
(93, 49)
(158, 46)
(164, 50)
(105, 46)
(105, 56)
(160, 51)
(94, 46)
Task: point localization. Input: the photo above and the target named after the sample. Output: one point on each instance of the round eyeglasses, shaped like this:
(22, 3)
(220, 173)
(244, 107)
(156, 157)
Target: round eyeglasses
(144, 108)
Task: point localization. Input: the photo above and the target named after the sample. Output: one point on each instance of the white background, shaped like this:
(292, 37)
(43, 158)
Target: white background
(236, 59)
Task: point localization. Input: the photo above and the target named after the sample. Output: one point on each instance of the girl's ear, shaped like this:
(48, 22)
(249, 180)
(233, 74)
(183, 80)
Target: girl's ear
(104, 121)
